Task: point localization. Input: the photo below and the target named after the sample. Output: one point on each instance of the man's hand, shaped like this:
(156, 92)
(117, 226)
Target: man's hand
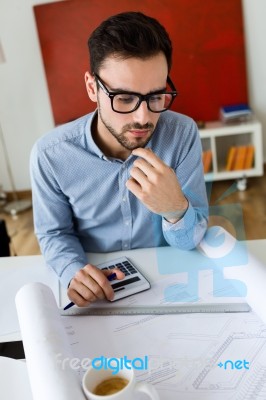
(90, 284)
(155, 184)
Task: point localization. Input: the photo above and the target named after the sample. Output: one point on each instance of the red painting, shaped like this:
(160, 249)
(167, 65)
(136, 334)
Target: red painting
(208, 70)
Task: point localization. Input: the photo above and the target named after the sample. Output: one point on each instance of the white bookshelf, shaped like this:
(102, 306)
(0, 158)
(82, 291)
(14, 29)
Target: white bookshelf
(219, 137)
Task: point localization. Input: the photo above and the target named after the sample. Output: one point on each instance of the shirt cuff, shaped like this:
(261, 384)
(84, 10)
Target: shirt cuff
(185, 222)
(69, 272)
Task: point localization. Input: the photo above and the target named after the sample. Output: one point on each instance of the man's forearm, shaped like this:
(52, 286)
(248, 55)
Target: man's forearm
(64, 254)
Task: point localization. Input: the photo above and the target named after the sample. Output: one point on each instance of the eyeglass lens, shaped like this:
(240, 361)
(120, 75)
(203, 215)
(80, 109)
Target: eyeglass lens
(128, 102)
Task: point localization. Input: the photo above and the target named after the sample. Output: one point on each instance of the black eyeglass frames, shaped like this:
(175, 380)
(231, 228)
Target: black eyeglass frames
(126, 102)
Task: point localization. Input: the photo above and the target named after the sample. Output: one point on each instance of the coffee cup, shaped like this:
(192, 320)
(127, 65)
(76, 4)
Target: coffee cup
(103, 384)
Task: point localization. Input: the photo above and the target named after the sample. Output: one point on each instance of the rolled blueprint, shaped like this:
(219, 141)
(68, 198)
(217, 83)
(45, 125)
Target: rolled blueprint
(45, 342)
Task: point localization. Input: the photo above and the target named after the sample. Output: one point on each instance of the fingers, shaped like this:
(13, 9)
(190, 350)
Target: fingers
(76, 294)
(144, 166)
(134, 187)
(141, 173)
(119, 274)
(138, 175)
(85, 288)
(155, 184)
(146, 173)
(90, 284)
(148, 155)
(148, 168)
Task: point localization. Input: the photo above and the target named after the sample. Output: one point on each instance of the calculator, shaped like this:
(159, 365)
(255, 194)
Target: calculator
(134, 281)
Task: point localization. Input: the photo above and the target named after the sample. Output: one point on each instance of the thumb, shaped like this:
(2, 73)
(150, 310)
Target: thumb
(119, 274)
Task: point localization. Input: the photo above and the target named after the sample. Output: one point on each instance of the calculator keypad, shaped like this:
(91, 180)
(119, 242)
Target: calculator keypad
(125, 267)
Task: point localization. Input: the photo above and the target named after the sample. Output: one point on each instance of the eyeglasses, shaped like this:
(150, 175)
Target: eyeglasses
(126, 102)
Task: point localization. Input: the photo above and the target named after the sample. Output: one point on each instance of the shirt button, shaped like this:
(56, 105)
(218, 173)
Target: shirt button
(126, 222)
(124, 199)
(125, 246)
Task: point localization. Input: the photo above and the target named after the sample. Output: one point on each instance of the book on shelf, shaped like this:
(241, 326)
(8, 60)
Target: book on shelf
(240, 157)
(235, 113)
(231, 158)
(207, 160)
(249, 157)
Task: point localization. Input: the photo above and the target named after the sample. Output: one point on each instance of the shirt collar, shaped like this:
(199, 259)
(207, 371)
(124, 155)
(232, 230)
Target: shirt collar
(93, 148)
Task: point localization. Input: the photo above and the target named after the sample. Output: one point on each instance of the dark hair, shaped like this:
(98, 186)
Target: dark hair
(126, 35)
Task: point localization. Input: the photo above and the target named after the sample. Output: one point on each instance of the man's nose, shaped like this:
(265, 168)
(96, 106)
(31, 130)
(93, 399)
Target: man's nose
(142, 113)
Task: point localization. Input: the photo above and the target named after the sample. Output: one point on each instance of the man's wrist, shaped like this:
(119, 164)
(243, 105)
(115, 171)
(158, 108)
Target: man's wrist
(173, 216)
(176, 215)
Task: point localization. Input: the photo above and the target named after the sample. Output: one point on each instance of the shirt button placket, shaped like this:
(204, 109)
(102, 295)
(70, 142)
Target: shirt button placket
(125, 209)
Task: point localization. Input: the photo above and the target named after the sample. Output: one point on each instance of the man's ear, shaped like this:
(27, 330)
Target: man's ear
(91, 86)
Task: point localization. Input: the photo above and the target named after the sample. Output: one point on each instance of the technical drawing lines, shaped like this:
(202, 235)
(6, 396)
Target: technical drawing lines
(237, 346)
(255, 385)
(212, 363)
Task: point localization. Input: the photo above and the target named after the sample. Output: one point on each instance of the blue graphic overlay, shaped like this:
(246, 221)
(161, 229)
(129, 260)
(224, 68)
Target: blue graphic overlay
(217, 251)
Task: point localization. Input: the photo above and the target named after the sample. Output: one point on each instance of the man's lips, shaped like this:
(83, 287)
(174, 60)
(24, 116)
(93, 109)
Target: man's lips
(139, 133)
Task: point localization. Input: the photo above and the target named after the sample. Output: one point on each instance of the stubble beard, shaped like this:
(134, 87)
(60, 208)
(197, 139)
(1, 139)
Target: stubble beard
(121, 137)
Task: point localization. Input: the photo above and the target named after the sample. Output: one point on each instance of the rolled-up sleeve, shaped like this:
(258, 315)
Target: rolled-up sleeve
(190, 229)
(53, 220)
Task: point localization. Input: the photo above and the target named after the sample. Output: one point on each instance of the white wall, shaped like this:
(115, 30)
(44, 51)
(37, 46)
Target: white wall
(25, 112)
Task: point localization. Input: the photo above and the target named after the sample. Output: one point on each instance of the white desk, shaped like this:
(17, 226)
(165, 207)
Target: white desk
(211, 335)
(22, 270)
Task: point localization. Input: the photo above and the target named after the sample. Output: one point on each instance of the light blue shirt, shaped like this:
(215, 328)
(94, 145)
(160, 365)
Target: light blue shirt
(81, 203)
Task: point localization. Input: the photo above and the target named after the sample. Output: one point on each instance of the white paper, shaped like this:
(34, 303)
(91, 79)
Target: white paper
(45, 341)
(184, 350)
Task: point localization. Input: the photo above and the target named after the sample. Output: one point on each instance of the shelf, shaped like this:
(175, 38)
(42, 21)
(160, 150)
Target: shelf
(220, 138)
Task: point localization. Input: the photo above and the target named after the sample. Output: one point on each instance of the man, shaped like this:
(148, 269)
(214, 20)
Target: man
(128, 175)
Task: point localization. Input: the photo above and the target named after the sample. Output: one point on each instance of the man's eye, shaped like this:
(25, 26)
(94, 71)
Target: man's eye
(156, 97)
(125, 98)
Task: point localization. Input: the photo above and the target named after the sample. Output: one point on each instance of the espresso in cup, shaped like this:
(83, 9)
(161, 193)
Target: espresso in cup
(110, 386)
(103, 384)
